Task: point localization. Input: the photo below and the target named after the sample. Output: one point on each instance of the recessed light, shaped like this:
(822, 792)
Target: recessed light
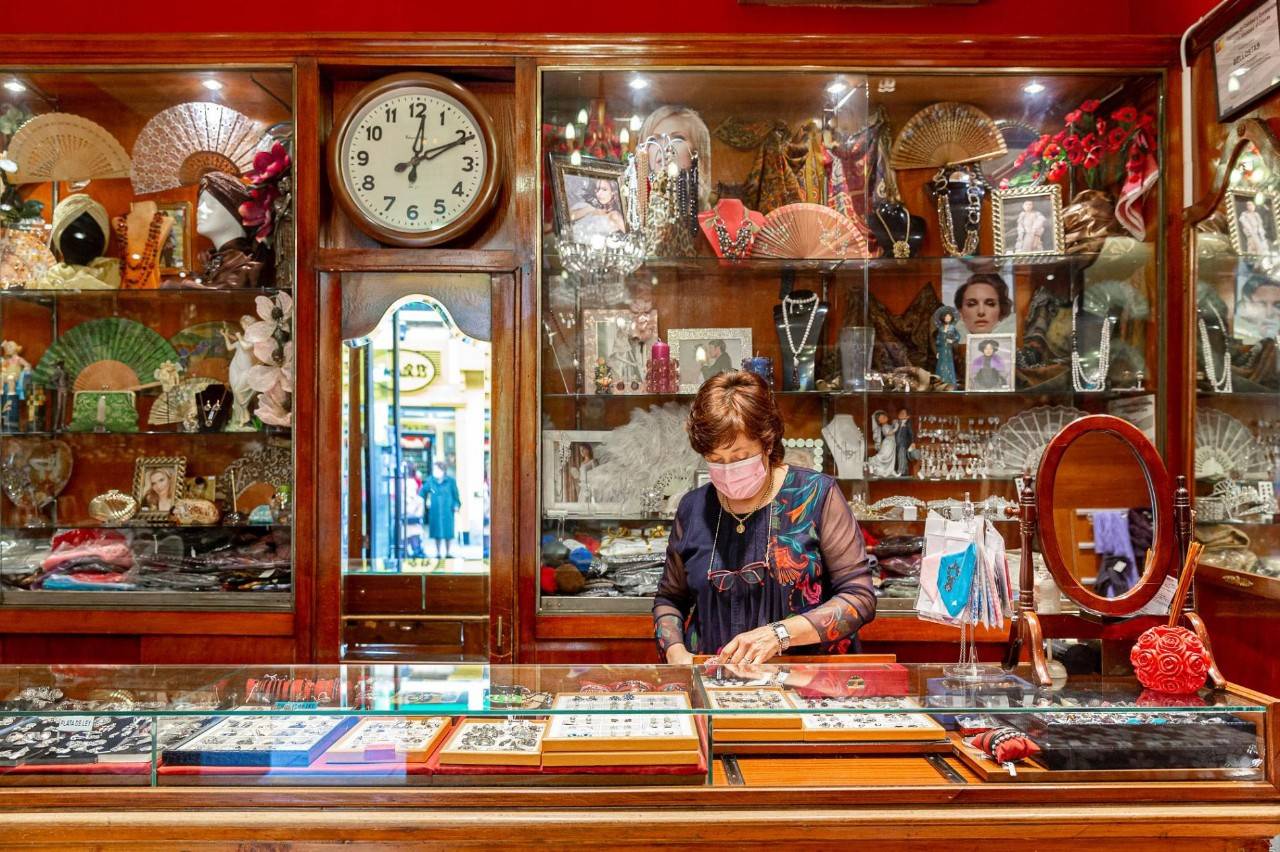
(639, 83)
(14, 86)
(211, 84)
(1033, 88)
(837, 87)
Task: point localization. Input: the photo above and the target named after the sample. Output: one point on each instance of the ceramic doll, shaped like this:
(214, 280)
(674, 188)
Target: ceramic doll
(238, 378)
(882, 431)
(15, 376)
(947, 337)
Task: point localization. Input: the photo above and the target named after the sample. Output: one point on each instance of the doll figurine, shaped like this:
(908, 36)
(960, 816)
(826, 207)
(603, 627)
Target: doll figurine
(603, 377)
(947, 337)
(882, 433)
(15, 376)
(904, 438)
(238, 378)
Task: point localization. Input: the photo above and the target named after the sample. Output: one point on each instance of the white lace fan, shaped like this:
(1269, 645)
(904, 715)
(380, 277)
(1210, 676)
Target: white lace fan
(1226, 449)
(59, 146)
(1017, 445)
(185, 142)
(809, 231)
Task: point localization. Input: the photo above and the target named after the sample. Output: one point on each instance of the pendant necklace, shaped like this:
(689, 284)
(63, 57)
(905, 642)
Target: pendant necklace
(901, 247)
(1220, 382)
(791, 306)
(736, 247)
(1097, 381)
(742, 519)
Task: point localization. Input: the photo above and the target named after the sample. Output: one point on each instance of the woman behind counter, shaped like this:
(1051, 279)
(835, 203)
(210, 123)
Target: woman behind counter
(765, 557)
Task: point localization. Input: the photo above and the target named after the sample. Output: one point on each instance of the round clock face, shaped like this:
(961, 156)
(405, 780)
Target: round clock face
(413, 160)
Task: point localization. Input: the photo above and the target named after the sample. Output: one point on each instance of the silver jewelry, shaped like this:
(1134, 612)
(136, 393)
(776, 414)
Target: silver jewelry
(1098, 380)
(784, 636)
(1220, 382)
(791, 306)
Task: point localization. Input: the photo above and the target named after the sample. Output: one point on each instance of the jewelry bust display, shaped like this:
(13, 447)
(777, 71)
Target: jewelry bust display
(847, 444)
(799, 320)
(236, 260)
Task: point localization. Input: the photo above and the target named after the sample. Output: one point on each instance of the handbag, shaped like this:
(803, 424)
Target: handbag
(104, 411)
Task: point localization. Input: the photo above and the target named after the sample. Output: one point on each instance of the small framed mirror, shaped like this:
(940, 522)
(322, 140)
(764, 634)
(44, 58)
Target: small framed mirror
(1105, 510)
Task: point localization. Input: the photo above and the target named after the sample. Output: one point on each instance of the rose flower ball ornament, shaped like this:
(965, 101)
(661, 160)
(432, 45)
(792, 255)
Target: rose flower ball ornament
(1170, 659)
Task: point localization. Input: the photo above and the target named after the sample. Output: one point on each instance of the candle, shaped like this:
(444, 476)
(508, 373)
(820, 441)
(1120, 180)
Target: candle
(760, 365)
(660, 351)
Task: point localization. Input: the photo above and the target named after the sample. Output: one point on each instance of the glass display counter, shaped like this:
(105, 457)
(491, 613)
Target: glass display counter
(604, 725)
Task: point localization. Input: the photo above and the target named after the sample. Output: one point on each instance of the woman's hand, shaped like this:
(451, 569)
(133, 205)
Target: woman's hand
(678, 655)
(751, 647)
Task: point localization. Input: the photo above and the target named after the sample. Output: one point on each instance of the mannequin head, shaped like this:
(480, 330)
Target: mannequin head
(79, 232)
(218, 209)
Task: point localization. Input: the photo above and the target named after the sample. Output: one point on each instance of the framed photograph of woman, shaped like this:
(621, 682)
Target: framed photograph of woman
(1028, 221)
(989, 362)
(1252, 221)
(569, 461)
(175, 254)
(588, 199)
(982, 294)
(707, 352)
(158, 483)
(623, 339)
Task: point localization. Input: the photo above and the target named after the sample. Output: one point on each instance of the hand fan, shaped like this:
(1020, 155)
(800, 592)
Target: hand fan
(1017, 445)
(946, 134)
(24, 257)
(59, 146)
(183, 143)
(106, 354)
(203, 350)
(809, 231)
(1226, 449)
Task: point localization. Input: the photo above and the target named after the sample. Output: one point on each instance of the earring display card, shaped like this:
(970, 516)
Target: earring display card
(871, 727)
(261, 741)
(408, 739)
(850, 702)
(760, 698)
(509, 742)
(621, 701)
(52, 741)
(623, 732)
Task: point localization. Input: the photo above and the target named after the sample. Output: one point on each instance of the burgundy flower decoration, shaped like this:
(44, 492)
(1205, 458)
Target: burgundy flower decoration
(269, 165)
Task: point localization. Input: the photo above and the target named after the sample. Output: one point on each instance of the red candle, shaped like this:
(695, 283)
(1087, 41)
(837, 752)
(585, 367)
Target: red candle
(660, 351)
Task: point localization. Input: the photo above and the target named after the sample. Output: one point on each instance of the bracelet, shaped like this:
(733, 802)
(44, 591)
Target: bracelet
(112, 507)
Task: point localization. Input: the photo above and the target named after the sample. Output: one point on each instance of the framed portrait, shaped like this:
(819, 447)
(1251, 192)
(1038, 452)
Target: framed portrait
(588, 199)
(989, 360)
(569, 459)
(158, 483)
(803, 452)
(1028, 221)
(982, 294)
(1257, 305)
(175, 254)
(706, 352)
(1251, 219)
(624, 340)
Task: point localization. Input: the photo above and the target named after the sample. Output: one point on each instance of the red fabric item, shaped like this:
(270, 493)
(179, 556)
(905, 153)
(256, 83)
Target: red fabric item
(547, 580)
(591, 543)
(1005, 745)
(1170, 659)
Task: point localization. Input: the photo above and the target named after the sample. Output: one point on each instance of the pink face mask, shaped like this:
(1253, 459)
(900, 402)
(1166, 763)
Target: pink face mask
(739, 480)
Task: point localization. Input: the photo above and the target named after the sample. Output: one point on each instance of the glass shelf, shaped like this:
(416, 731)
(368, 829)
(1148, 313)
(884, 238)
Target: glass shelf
(636, 398)
(46, 528)
(918, 265)
(149, 433)
(162, 295)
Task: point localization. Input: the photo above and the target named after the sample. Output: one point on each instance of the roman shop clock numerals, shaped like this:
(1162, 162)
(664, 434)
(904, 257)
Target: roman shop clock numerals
(412, 160)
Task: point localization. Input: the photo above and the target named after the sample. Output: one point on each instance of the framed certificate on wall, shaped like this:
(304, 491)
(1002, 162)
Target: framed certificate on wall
(1246, 60)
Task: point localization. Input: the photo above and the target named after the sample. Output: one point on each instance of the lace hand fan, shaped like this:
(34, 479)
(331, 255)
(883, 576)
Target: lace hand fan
(179, 404)
(106, 354)
(1018, 444)
(946, 134)
(809, 231)
(1226, 449)
(59, 146)
(184, 143)
(24, 258)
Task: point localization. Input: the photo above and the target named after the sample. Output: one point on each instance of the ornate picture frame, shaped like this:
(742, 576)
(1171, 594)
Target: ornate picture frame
(568, 457)
(1253, 232)
(1041, 234)
(569, 182)
(611, 334)
(158, 483)
(692, 348)
(175, 254)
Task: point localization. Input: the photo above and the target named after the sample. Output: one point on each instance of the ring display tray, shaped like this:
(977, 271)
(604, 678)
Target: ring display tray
(504, 742)
(260, 741)
(409, 739)
(757, 698)
(623, 733)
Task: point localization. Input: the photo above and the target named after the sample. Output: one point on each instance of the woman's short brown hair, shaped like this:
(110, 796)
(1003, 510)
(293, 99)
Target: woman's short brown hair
(732, 404)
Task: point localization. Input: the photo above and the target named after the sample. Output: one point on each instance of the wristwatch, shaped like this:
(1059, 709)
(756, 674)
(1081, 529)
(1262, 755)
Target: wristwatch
(784, 638)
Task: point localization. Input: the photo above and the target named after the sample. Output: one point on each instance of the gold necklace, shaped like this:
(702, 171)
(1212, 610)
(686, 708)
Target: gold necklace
(742, 519)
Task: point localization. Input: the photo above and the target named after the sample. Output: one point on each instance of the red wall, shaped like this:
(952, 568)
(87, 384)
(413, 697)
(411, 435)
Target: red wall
(1002, 17)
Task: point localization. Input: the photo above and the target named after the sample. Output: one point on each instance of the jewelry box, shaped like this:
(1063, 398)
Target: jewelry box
(405, 739)
(505, 742)
(260, 741)
(739, 700)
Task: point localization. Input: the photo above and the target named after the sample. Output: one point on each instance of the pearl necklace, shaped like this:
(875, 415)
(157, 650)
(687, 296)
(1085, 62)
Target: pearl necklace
(1221, 383)
(791, 306)
(1098, 381)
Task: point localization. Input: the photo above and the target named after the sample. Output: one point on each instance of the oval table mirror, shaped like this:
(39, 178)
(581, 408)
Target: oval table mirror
(1103, 507)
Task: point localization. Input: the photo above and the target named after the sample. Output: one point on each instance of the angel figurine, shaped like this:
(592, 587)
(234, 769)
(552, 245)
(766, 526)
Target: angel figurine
(238, 378)
(883, 463)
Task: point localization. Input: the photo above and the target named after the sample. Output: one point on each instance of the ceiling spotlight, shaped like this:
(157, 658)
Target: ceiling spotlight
(1033, 88)
(212, 84)
(639, 83)
(837, 87)
(15, 85)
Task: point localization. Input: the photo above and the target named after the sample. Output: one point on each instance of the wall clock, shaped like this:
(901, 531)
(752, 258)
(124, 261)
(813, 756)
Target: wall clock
(413, 161)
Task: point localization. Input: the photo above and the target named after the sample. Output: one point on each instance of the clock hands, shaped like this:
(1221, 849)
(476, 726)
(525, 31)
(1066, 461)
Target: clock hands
(419, 140)
(420, 156)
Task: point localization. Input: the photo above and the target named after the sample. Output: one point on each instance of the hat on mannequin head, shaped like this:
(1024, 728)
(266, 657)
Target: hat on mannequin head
(218, 212)
(80, 228)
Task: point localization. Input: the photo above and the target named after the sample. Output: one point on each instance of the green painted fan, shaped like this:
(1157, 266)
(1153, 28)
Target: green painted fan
(106, 354)
(203, 349)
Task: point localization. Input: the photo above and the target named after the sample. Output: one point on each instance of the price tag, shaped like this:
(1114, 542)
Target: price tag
(75, 724)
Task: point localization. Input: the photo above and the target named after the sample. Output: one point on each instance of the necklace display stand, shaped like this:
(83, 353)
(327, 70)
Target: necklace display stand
(799, 320)
(847, 445)
(730, 228)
